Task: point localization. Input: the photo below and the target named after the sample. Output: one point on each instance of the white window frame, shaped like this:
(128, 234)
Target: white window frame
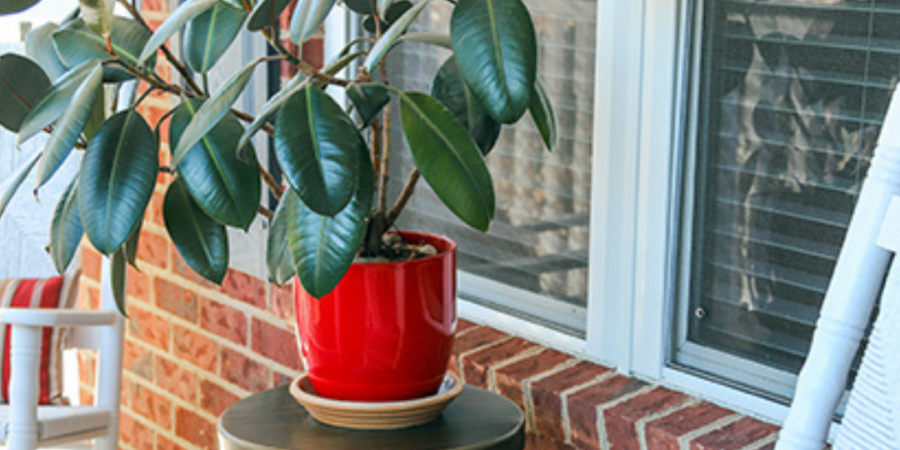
(642, 59)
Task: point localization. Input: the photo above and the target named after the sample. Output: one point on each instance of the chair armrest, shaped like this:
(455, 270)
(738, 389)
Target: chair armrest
(56, 317)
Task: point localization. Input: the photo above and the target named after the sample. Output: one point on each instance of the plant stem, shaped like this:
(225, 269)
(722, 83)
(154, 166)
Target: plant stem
(405, 195)
(266, 212)
(267, 177)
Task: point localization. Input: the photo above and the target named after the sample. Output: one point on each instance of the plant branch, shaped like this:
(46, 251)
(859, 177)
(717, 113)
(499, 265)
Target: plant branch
(266, 212)
(267, 177)
(405, 195)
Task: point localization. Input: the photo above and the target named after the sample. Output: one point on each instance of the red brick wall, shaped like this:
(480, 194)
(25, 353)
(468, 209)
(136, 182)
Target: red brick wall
(193, 348)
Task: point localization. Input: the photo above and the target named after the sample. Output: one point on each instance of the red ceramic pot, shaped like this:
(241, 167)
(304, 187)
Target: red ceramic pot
(385, 333)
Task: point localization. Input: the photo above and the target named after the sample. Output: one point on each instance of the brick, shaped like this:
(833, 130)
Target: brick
(546, 392)
(134, 433)
(475, 338)
(463, 325)
(137, 360)
(663, 433)
(153, 249)
(246, 288)
(164, 443)
(189, 345)
(535, 441)
(176, 379)
(154, 212)
(223, 320)
(621, 419)
(283, 379)
(282, 305)
(91, 260)
(195, 429)
(477, 364)
(175, 299)
(148, 327)
(87, 367)
(214, 398)
(151, 405)
(275, 343)
(92, 298)
(511, 376)
(86, 396)
(313, 52)
(181, 268)
(734, 436)
(155, 6)
(244, 372)
(138, 287)
(583, 407)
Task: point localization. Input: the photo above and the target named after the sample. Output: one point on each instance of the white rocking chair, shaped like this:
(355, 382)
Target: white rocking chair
(872, 418)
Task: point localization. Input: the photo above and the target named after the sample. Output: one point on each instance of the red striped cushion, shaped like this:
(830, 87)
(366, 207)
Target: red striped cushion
(53, 292)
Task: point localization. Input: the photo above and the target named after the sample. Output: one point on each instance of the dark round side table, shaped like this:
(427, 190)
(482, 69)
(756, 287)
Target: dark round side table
(476, 420)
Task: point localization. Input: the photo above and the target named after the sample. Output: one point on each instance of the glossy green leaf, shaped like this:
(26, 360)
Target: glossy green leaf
(98, 15)
(496, 48)
(70, 125)
(224, 186)
(369, 99)
(131, 245)
(382, 6)
(543, 115)
(185, 12)
(66, 230)
(343, 61)
(201, 241)
(392, 35)
(208, 36)
(76, 44)
(308, 17)
(54, 101)
(269, 109)
(317, 146)
(450, 89)
(116, 179)
(394, 12)
(14, 6)
(11, 185)
(212, 111)
(39, 48)
(322, 248)
(359, 6)
(426, 37)
(98, 116)
(278, 252)
(266, 12)
(22, 84)
(448, 159)
(119, 278)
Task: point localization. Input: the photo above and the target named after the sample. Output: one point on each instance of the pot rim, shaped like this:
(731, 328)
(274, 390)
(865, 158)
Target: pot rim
(428, 237)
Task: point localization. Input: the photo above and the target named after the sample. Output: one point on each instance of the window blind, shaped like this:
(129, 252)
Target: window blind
(790, 101)
(538, 241)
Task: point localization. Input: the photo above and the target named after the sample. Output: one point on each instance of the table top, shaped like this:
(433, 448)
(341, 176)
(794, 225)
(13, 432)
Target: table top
(476, 420)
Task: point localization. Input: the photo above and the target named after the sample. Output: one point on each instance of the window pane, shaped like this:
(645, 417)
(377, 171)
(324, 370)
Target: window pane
(538, 241)
(791, 96)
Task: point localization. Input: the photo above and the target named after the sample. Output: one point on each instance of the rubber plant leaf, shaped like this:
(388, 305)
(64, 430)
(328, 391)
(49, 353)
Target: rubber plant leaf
(317, 145)
(278, 252)
(266, 12)
(448, 159)
(323, 248)
(11, 185)
(369, 99)
(119, 278)
(39, 47)
(430, 38)
(116, 180)
(98, 15)
(363, 7)
(393, 34)
(450, 89)
(308, 17)
(212, 111)
(76, 44)
(496, 48)
(543, 114)
(14, 6)
(70, 125)
(131, 245)
(208, 36)
(22, 84)
(201, 241)
(185, 12)
(269, 109)
(382, 6)
(224, 186)
(66, 229)
(54, 101)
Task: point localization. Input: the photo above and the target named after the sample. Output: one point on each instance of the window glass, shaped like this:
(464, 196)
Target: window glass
(538, 242)
(790, 100)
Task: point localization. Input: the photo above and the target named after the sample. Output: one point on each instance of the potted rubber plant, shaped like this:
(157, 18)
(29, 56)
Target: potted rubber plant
(375, 305)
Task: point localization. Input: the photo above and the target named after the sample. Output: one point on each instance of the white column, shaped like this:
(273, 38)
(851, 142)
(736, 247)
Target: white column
(24, 389)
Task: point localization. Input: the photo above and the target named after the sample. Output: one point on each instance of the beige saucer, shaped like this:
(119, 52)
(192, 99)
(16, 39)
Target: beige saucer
(375, 415)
